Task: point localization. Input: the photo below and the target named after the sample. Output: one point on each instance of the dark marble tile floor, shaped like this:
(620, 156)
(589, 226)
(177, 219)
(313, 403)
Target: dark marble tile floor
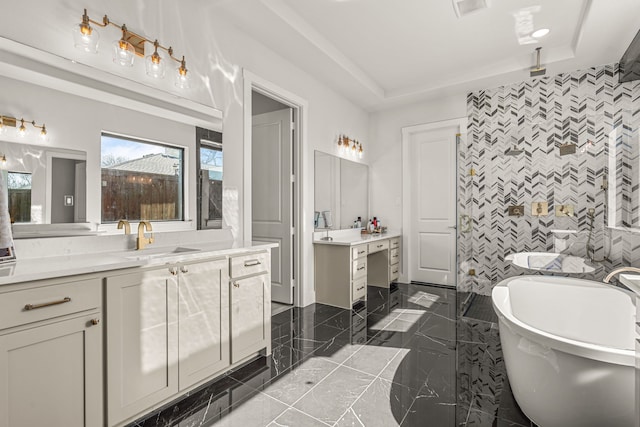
(404, 359)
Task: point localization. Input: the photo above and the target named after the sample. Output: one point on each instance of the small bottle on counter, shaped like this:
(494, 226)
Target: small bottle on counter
(359, 222)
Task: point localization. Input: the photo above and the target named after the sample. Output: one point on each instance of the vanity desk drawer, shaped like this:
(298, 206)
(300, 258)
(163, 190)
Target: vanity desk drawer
(394, 272)
(394, 243)
(46, 302)
(359, 268)
(378, 246)
(359, 252)
(247, 265)
(359, 288)
(394, 256)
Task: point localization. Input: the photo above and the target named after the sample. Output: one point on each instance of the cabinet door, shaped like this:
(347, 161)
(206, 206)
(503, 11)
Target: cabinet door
(204, 320)
(142, 341)
(51, 375)
(250, 330)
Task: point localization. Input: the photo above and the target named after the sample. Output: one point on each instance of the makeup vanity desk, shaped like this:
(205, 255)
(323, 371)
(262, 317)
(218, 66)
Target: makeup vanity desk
(346, 265)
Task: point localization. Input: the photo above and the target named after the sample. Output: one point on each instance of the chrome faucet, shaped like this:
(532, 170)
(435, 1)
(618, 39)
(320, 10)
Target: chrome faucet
(127, 226)
(620, 270)
(141, 241)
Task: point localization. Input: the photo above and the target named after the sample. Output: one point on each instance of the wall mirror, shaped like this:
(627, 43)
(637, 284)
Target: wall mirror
(79, 104)
(341, 191)
(45, 185)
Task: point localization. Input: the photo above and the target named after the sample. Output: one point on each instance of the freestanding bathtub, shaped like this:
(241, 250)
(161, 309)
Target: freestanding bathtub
(568, 346)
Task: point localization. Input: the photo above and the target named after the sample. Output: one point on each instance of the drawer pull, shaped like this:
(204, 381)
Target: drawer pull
(380, 246)
(173, 271)
(360, 288)
(46, 304)
(361, 252)
(362, 268)
(236, 284)
(184, 269)
(94, 322)
(395, 256)
(252, 263)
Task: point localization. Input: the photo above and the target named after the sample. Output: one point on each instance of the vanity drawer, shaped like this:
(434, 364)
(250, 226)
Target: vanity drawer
(394, 272)
(394, 243)
(394, 256)
(247, 265)
(359, 268)
(378, 246)
(46, 302)
(359, 251)
(359, 288)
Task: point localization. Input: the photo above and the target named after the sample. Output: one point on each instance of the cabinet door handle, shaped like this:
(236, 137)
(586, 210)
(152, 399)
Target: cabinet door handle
(173, 271)
(362, 268)
(236, 284)
(94, 322)
(46, 304)
(361, 252)
(252, 262)
(184, 269)
(395, 256)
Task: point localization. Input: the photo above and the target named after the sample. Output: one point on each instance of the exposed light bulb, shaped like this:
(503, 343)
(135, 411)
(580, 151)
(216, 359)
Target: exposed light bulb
(43, 132)
(182, 75)
(3, 159)
(22, 130)
(154, 63)
(84, 36)
(123, 51)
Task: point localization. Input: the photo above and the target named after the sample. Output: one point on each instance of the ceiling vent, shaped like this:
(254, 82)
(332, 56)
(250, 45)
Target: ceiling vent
(465, 7)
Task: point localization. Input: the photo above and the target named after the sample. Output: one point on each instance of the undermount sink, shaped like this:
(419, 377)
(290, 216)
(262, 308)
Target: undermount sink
(161, 252)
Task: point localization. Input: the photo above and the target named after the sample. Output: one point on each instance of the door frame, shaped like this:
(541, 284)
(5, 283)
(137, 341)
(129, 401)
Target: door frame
(300, 108)
(407, 229)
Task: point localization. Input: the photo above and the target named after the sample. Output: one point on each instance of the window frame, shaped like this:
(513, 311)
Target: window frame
(158, 225)
(210, 139)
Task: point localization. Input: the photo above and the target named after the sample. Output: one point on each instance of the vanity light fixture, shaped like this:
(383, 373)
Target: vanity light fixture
(6, 122)
(3, 160)
(127, 47)
(347, 145)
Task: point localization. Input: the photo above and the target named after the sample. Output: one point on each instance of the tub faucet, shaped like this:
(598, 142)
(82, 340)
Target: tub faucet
(620, 270)
(141, 241)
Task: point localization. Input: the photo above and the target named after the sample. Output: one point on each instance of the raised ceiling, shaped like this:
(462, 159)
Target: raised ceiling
(384, 53)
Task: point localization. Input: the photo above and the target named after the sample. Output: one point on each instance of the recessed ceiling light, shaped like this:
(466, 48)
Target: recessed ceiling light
(540, 33)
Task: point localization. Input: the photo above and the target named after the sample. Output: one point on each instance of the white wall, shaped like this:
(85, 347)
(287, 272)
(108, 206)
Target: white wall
(216, 53)
(385, 156)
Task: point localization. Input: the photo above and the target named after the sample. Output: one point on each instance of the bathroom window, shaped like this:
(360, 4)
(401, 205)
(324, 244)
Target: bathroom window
(209, 149)
(19, 191)
(141, 180)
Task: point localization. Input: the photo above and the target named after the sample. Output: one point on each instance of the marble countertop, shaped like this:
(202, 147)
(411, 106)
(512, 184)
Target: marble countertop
(28, 269)
(352, 239)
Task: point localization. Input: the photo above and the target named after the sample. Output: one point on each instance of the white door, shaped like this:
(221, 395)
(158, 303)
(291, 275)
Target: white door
(272, 183)
(432, 239)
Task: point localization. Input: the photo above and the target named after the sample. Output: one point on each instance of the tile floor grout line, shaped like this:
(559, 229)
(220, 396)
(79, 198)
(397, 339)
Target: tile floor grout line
(367, 388)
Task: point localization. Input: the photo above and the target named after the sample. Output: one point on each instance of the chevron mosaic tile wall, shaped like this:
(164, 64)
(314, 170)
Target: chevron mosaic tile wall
(588, 108)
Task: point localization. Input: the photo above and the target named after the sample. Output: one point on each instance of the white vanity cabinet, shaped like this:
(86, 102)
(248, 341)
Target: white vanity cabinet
(341, 274)
(167, 329)
(346, 265)
(250, 300)
(51, 353)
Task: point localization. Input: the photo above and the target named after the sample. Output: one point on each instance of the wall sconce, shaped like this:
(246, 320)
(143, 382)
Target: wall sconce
(347, 145)
(7, 122)
(130, 44)
(3, 160)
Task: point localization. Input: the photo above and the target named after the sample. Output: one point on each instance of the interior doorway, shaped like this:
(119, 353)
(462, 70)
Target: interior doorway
(274, 171)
